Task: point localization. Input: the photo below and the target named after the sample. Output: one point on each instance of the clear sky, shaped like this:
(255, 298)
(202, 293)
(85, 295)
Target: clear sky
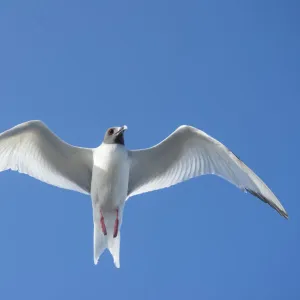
(230, 68)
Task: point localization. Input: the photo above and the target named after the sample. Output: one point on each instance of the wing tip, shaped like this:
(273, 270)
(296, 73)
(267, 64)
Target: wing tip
(280, 210)
(117, 264)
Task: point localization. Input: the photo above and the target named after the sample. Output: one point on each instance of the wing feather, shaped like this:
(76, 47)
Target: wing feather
(33, 149)
(189, 152)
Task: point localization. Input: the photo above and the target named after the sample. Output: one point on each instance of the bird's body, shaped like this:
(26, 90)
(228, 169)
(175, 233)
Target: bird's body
(108, 192)
(111, 174)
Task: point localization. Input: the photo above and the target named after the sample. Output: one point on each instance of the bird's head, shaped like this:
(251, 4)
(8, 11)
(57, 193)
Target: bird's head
(115, 135)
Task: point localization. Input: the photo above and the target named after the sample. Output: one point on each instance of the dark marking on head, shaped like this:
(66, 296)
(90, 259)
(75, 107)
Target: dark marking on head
(115, 135)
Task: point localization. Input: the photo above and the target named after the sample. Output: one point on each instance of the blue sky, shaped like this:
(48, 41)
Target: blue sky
(230, 68)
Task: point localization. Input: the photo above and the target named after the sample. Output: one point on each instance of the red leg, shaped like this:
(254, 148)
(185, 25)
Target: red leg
(116, 227)
(103, 224)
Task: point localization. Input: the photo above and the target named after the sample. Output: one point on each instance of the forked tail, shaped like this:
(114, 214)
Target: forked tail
(101, 241)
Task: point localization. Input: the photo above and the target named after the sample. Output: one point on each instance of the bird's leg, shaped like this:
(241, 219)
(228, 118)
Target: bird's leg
(116, 227)
(102, 223)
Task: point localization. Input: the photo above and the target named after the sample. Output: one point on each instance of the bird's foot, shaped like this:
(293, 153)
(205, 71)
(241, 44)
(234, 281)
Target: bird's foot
(103, 227)
(116, 227)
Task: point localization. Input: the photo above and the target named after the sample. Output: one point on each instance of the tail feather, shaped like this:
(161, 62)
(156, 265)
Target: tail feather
(114, 248)
(100, 242)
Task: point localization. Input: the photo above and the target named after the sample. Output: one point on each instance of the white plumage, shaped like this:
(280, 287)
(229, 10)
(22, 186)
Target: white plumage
(189, 152)
(111, 174)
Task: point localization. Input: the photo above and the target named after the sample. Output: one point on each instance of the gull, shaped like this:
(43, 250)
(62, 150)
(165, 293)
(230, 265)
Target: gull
(111, 174)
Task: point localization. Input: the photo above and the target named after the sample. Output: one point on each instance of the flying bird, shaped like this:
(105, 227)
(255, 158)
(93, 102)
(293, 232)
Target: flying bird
(111, 174)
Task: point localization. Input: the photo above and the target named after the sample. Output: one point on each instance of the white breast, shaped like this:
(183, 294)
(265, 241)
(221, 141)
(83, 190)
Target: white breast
(110, 175)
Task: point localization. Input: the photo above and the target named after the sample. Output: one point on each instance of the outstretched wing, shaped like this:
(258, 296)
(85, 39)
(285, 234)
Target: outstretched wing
(189, 152)
(33, 149)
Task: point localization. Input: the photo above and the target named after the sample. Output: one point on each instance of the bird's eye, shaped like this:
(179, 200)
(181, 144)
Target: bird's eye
(110, 131)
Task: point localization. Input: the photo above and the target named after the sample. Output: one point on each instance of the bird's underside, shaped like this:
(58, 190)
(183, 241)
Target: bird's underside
(33, 149)
(116, 223)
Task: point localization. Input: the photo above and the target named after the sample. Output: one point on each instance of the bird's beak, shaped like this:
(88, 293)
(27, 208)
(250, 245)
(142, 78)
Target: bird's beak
(122, 129)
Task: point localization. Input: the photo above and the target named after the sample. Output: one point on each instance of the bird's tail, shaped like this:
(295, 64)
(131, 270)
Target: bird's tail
(101, 241)
(114, 248)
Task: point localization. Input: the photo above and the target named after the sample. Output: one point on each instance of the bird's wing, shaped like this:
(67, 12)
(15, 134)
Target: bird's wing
(33, 149)
(189, 152)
